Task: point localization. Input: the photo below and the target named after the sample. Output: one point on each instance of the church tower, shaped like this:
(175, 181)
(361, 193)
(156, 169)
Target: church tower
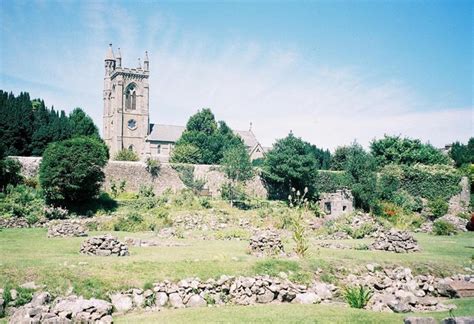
(126, 105)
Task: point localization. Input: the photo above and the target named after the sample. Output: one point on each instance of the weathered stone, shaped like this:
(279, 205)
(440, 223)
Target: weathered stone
(161, 299)
(104, 245)
(196, 301)
(306, 298)
(175, 300)
(121, 303)
(458, 320)
(266, 297)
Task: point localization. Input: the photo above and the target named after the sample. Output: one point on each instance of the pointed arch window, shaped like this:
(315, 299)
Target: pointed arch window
(131, 97)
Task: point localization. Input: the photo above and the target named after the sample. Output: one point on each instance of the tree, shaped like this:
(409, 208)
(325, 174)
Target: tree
(71, 170)
(291, 163)
(82, 124)
(210, 138)
(9, 170)
(322, 156)
(185, 153)
(360, 167)
(462, 154)
(339, 158)
(394, 149)
(237, 167)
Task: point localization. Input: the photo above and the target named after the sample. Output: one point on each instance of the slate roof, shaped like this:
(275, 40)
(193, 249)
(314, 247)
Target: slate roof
(171, 133)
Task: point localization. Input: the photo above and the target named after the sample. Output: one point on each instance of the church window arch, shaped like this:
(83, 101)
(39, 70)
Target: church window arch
(131, 97)
(131, 148)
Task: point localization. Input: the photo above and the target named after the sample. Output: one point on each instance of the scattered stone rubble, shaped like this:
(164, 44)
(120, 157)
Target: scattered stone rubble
(193, 292)
(458, 223)
(399, 291)
(13, 222)
(66, 229)
(265, 243)
(104, 245)
(395, 241)
(196, 222)
(71, 309)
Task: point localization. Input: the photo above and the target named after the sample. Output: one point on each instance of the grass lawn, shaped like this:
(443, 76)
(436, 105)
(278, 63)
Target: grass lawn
(27, 254)
(284, 313)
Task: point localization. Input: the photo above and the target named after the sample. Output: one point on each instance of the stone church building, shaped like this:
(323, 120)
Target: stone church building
(126, 115)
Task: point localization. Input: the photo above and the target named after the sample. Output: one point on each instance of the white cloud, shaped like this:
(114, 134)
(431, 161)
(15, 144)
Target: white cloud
(243, 81)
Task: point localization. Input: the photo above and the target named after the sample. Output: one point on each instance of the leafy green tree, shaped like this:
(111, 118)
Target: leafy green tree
(71, 170)
(211, 139)
(394, 149)
(290, 164)
(9, 170)
(462, 154)
(237, 167)
(82, 124)
(185, 153)
(322, 156)
(339, 158)
(360, 167)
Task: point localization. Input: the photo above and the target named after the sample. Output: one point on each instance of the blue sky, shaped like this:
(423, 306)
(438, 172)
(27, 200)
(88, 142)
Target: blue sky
(330, 71)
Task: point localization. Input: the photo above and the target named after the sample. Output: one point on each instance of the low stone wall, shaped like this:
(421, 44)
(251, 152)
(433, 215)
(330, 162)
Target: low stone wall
(135, 175)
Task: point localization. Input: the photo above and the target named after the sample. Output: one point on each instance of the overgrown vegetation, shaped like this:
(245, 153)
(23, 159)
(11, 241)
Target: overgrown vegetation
(441, 227)
(71, 170)
(237, 168)
(186, 174)
(126, 155)
(357, 296)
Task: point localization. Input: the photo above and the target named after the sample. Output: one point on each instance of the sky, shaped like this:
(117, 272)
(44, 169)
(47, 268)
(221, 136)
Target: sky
(329, 71)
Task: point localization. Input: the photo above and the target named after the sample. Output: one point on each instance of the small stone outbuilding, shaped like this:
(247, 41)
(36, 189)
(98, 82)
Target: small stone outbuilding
(337, 203)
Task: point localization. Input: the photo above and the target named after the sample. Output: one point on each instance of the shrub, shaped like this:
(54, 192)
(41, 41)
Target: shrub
(441, 227)
(409, 203)
(24, 296)
(299, 203)
(237, 168)
(438, 207)
(71, 170)
(236, 192)
(153, 166)
(146, 191)
(117, 189)
(357, 296)
(398, 217)
(126, 155)
(205, 202)
(132, 222)
(9, 172)
(186, 174)
(22, 201)
(52, 212)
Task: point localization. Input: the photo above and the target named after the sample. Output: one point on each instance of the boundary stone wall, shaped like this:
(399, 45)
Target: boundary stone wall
(136, 175)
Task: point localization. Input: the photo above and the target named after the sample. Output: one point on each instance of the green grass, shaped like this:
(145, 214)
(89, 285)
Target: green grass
(284, 313)
(27, 254)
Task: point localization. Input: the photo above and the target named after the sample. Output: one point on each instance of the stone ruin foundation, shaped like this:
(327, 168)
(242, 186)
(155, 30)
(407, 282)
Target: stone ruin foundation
(395, 241)
(266, 243)
(337, 203)
(104, 245)
(66, 229)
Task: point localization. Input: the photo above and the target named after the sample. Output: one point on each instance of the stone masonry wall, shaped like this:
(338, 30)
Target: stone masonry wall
(136, 175)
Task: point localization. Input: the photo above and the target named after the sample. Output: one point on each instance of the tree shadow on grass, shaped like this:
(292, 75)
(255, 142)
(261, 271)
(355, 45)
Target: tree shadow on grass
(104, 204)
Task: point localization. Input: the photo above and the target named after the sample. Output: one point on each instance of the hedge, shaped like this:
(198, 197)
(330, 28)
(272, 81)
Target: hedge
(426, 181)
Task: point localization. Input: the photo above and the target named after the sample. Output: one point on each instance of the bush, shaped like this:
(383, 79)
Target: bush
(441, 227)
(126, 155)
(9, 172)
(22, 201)
(146, 191)
(51, 212)
(186, 153)
(438, 207)
(357, 296)
(237, 192)
(71, 170)
(397, 216)
(186, 174)
(132, 222)
(153, 166)
(409, 203)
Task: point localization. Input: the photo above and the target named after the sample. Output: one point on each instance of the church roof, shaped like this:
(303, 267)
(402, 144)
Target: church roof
(171, 133)
(165, 133)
